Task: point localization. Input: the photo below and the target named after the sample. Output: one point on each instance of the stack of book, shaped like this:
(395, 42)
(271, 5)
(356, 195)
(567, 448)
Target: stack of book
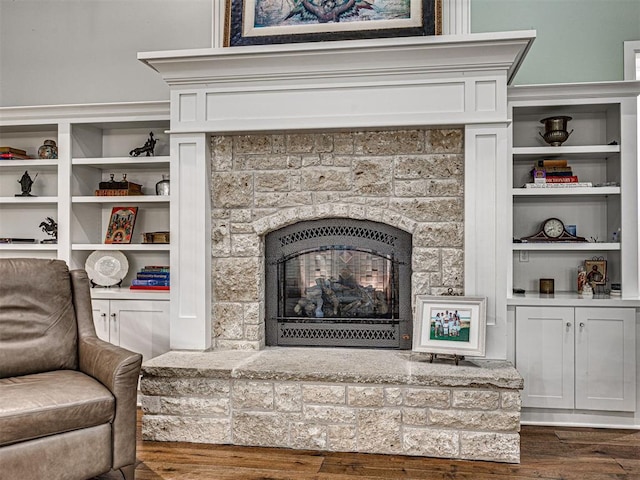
(10, 153)
(113, 188)
(152, 277)
(554, 173)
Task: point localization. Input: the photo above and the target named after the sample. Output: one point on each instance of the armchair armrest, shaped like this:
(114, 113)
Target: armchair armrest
(117, 369)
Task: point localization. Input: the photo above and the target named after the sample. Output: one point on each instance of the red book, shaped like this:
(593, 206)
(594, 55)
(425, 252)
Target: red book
(568, 179)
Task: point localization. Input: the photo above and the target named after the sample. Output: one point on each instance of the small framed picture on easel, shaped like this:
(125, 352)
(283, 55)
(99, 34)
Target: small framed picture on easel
(120, 228)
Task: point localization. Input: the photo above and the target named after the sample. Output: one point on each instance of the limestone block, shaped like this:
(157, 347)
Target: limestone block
(421, 282)
(393, 396)
(368, 396)
(228, 318)
(431, 442)
(282, 199)
(510, 400)
(254, 332)
(372, 176)
(443, 166)
(444, 188)
(476, 399)
(260, 429)
(497, 421)
(314, 160)
(237, 279)
(410, 188)
(342, 438)
(221, 153)
(251, 313)
(389, 142)
(300, 142)
(167, 386)
(329, 414)
(252, 143)
(445, 140)
(308, 436)
(255, 163)
(252, 395)
(425, 259)
(247, 245)
(150, 404)
(206, 407)
(333, 178)
(232, 190)
(167, 428)
(441, 234)
(272, 181)
(453, 267)
(288, 397)
(415, 416)
(427, 209)
(343, 143)
(497, 447)
(278, 143)
(379, 430)
(340, 160)
(324, 394)
(427, 397)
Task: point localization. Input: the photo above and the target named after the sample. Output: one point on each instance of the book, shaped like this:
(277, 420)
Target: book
(116, 192)
(558, 169)
(155, 268)
(550, 162)
(149, 287)
(562, 179)
(560, 174)
(151, 282)
(150, 275)
(14, 156)
(559, 185)
(17, 151)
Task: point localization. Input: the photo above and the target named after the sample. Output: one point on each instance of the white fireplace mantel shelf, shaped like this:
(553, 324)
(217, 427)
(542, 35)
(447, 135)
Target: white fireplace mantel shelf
(343, 84)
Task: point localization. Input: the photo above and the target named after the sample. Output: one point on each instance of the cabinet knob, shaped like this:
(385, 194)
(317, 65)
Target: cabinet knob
(568, 324)
(113, 316)
(582, 325)
(104, 316)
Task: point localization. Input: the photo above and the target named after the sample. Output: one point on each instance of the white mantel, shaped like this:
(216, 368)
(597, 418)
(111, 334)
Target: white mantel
(381, 83)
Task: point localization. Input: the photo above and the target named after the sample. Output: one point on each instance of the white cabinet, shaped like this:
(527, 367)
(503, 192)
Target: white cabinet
(141, 326)
(577, 358)
(601, 150)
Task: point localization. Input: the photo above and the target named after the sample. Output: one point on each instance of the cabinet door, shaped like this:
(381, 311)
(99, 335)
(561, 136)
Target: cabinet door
(544, 356)
(605, 359)
(141, 326)
(101, 318)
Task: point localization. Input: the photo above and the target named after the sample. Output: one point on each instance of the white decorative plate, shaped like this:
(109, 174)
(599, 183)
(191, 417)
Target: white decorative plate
(106, 267)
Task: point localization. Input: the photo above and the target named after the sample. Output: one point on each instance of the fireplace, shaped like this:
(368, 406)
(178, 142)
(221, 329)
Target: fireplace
(338, 282)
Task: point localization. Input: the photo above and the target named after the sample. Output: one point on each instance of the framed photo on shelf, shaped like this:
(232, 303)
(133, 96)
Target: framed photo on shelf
(121, 223)
(450, 325)
(262, 22)
(596, 271)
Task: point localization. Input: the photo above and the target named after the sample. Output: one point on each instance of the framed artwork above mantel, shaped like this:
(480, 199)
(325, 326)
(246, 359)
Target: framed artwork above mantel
(263, 22)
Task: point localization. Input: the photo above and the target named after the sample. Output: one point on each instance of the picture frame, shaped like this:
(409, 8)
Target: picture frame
(121, 225)
(264, 22)
(596, 271)
(465, 332)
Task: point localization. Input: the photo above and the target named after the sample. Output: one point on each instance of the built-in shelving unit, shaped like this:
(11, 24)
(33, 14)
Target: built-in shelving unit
(601, 149)
(94, 142)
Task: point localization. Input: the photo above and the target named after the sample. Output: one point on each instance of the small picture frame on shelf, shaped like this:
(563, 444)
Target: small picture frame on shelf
(121, 224)
(596, 271)
(450, 325)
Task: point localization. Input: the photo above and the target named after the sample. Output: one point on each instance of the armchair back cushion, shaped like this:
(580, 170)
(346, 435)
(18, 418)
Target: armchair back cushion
(38, 329)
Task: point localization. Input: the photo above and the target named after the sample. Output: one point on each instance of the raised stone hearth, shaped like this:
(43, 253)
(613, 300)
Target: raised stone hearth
(370, 401)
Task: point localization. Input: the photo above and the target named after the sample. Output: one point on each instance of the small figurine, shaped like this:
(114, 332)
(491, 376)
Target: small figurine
(50, 227)
(147, 148)
(25, 185)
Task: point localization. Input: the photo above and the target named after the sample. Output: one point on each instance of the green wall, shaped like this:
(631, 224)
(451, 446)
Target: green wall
(577, 40)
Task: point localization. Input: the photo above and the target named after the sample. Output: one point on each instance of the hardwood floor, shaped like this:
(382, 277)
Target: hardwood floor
(547, 453)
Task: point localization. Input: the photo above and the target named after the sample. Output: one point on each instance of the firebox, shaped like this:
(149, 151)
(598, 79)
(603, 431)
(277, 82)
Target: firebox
(338, 282)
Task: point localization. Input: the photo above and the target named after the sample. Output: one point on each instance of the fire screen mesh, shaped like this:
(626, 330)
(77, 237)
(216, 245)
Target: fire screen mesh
(338, 282)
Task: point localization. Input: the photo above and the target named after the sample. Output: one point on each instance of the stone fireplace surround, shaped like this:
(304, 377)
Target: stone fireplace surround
(270, 99)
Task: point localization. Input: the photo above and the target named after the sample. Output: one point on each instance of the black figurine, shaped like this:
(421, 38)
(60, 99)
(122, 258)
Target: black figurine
(50, 227)
(147, 148)
(25, 185)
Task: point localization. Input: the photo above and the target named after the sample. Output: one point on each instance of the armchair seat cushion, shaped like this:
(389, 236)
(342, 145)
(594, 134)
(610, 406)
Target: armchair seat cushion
(49, 403)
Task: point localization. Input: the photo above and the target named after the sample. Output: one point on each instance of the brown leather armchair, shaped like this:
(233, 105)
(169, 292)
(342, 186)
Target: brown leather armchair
(67, 398)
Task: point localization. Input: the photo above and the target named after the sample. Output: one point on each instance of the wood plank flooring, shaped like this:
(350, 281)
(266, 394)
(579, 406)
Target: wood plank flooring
(547, 453)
